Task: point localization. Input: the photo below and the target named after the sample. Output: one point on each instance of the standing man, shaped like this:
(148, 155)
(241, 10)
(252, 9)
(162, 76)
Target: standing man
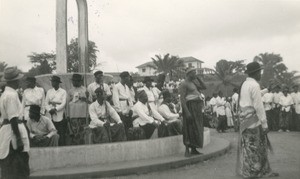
(221, 113)
(78, 109)
(296, 100)
(33, 95)
(253, 141)
(267, 101)
(56, 99)
(14, 142)
(286, 102)
(98, 83)
(122, 100)
(192, 102)
(276, 106)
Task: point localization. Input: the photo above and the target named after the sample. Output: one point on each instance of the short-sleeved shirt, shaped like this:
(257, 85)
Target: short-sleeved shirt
(43, 127)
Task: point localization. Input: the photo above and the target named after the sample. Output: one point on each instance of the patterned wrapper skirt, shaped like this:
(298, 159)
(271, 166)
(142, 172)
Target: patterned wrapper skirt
(253, 154)
(77, 130)
(192, 129)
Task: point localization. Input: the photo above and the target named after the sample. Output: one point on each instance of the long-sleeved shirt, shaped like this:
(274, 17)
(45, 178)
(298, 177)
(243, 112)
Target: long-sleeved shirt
(267, 100)
(93, 86)
(276, 98)
(33, 96)
(77, 107)
(235, 101)
(56, 99)
(102, 112)
(213, 103)
(165, 111)
(122, 98)
(143, 113)
(251, 95)
(10, 107)
(296, 100)
(152, 93)
(43, 127)
(286, 102)
(220, 103)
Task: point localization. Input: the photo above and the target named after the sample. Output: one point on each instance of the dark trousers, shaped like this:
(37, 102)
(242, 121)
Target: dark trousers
(15, 165)
(270, 120)
(127, 121)
(222, 121)
(61, 128)
(293, 121)
(298, 122)
(148, 129)
(276, 117)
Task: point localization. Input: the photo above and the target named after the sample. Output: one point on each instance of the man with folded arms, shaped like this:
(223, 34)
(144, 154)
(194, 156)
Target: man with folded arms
(33, 95)
(122, 100)
(56, 99)
(168, 111)
(105, 122)
(42, 130)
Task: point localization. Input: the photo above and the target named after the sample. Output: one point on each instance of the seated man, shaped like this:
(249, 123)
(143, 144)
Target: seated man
(145, 118)
(168, 111)
(41, 128)
(105, 122)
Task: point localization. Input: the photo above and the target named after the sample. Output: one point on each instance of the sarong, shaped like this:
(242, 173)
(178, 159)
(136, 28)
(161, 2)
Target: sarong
(15, 165)
(253, 145)
(193, 128)
(174, 128)
(76, 130)
(106, 134)
(284, 120)
(47, 142)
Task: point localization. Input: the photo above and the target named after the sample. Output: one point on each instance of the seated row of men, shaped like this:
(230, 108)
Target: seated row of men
(108, 121)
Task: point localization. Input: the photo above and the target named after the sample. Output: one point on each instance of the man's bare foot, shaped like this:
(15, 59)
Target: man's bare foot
(195, 152)
(187, 152)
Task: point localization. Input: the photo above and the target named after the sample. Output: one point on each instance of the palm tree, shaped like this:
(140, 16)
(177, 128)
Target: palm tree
(228, 74)
(168, 64)
(269, 61)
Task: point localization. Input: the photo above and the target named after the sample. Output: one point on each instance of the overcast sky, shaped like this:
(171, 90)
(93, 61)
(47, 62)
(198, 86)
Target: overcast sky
(130, 32)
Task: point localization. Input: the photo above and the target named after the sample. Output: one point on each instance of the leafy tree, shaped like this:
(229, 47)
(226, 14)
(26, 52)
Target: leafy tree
(3, 65)
(43, 63)
(167, 64)
(73, 56)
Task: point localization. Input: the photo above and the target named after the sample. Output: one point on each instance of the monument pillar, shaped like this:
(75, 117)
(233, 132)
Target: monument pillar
(61, 36)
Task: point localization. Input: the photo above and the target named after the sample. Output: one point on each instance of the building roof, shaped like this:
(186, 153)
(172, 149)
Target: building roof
(184, 59)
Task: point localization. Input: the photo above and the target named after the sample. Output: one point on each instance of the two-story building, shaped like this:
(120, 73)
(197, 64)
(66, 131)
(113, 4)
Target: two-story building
(149, 68)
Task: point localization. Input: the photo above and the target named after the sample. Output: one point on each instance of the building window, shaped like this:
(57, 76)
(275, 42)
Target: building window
(190, 65)
(143, 70)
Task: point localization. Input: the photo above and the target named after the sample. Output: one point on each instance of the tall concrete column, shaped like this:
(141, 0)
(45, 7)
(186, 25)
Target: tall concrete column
(61, 36)
(83, 35)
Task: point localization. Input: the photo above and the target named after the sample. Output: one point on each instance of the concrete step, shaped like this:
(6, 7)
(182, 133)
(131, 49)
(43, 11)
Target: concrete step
(216, 147)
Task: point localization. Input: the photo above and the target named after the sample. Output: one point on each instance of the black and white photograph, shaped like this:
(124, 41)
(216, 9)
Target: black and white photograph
(149, 89)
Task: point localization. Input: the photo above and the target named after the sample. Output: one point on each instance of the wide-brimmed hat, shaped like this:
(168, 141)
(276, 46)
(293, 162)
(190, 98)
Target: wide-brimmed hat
(56, 78)
(35, 109)
(147, 79)
(253, 67)
(11, 74)
(76, 77)
(190, 70)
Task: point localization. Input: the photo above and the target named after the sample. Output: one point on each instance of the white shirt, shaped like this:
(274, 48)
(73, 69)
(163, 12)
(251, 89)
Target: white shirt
(33, 96)
(235, 101)
(10, 107)
(296, 100)
(93, 86)
(213, 103)
(56, 99)
(286, 102)
(122, 98)
(97, 111)
(276, 98)
(251, 96)
(144, 115)
(152, 93)
(267, 100)
(220, 103)
(165, 111)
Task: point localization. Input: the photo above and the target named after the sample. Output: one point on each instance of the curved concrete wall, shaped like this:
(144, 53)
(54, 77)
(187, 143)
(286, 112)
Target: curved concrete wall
(85, 155)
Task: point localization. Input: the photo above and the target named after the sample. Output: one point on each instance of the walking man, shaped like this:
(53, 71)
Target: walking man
(192, 102)
(14, 142)
(253, 143)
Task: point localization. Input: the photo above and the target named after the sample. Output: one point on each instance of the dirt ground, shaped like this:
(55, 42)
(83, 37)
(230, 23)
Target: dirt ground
(285, 161)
